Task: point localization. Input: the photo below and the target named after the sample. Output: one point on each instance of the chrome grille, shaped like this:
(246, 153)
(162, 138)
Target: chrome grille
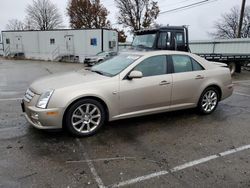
(28, 95)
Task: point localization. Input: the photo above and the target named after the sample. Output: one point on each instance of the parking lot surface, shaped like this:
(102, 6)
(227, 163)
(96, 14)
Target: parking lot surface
(177, 149)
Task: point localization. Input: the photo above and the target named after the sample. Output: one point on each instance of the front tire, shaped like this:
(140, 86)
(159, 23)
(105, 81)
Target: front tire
(208, 101)
(85, 118)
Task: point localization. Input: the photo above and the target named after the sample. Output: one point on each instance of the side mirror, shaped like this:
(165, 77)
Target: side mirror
(135, 74)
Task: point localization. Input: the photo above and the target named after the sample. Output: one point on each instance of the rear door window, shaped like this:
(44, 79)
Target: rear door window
(181, 63)
(184, 63)
(196, 65)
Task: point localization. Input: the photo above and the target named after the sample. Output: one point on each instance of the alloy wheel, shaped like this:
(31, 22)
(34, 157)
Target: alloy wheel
(209, 101)
(86, 118)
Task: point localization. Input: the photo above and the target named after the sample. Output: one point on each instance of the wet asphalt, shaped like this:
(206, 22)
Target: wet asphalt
(125, 149)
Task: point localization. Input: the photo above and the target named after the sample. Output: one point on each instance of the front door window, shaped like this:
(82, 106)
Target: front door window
(153, 66)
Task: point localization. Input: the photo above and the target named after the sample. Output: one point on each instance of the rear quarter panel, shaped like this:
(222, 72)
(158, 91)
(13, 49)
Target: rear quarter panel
(221, 77)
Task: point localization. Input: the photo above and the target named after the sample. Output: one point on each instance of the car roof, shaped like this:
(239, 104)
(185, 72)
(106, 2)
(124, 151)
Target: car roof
(156, 52)
(146, 54)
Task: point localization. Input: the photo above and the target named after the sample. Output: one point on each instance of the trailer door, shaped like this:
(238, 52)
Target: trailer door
(18, 44)
(69, 42)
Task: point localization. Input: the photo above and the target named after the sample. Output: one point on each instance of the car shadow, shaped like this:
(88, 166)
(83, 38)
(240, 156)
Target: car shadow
(143, 123)
(130, 128)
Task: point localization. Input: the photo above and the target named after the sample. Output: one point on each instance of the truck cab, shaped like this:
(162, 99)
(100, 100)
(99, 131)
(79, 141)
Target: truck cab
(176, 38)
(163, 38)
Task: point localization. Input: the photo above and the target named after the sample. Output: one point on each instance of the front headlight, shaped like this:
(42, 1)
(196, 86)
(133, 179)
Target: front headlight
(44, 99)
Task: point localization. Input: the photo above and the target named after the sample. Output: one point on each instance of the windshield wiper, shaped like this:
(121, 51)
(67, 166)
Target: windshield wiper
(98, 72)
(102, 73)
(141, 46)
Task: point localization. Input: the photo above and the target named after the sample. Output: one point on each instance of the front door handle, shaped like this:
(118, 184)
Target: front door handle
(164, 82)
(198, 77)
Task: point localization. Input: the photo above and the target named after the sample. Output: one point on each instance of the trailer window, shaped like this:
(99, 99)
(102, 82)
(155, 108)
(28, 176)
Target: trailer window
(7, 41)
(93, 42)
(52, 41)
(112, 44)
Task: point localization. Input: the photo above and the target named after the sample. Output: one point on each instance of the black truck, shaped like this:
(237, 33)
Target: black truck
(176, 38)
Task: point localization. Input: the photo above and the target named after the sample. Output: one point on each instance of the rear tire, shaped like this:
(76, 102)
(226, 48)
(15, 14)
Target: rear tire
(208, 101)
(232, 67)
(85, 118)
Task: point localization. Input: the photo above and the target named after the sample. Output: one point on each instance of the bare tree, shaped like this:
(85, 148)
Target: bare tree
(87, 14)
(15, 24)
(43, 15)
(157, 25)
(137, 14)
(121, 35)
(227, 26)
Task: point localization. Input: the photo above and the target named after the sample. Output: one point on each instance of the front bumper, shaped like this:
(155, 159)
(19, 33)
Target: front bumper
(90, 61)
(43, 118)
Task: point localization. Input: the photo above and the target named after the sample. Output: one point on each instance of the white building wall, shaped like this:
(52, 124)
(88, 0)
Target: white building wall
(86, 39)
(110, 36)
(1, 49)
(36, 44)
(12, 46)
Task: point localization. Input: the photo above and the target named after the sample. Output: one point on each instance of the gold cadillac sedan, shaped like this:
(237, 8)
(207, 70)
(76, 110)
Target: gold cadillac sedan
(128, 85)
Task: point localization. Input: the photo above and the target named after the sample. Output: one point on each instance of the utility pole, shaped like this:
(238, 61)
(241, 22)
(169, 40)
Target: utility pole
(241, 17)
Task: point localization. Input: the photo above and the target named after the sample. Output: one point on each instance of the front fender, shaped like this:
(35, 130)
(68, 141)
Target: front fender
(63, 98)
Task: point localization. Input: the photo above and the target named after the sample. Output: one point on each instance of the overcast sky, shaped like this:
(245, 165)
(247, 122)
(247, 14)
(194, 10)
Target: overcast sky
(200, 19)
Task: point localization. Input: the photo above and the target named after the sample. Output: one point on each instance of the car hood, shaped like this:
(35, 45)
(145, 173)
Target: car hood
(63, 80)
(94, 57)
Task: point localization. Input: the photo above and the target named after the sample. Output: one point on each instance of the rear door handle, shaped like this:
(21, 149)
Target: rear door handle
(164, 82)
(199, 77)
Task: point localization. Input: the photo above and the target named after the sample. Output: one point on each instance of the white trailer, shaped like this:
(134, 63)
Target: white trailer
(56, 45)
(225, 46)
(234, 52)
(1, 49)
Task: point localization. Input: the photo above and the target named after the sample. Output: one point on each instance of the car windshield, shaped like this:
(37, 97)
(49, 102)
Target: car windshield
(145, 40)
(115, 65)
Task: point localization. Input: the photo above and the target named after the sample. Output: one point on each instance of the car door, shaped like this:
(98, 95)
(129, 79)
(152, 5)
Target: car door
(151, 91)
(188, 78)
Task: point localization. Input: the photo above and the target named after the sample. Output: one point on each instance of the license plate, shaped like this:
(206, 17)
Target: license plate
(22, 105)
